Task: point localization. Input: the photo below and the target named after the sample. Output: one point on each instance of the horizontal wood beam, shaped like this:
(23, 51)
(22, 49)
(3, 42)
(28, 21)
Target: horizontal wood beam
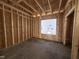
(70, 11)
(30, 6)
(19, 1)
(43, 14)
(50, 5)
(68, 1)
(39, 6)
(21, 6)
(5, 4)
(60, 3)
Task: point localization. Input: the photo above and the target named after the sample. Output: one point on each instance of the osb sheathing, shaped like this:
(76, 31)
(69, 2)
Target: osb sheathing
(8, 28)
(2, 41)
(36, 27)
(15, 26)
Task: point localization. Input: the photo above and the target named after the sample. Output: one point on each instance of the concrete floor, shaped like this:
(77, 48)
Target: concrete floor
(37, 49)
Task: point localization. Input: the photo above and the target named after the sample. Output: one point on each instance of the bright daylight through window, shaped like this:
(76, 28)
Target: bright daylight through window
(48, 26)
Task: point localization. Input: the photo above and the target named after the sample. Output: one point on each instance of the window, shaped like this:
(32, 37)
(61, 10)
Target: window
(48, 26)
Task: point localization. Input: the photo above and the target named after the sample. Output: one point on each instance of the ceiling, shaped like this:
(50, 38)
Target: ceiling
(35, 7)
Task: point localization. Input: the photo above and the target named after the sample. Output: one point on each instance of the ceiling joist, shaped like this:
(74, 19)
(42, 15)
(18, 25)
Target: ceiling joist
(54, 12)
(39, 6)
(19, 1)
(21, 6)
(30, 6)
(68, 1)
(50, 5)
(60, 3)
(43, 7)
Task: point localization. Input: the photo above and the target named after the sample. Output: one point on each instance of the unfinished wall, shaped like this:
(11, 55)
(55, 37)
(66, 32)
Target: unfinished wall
(69, 8)
(72, 6)
(15, 26)
(2, 39)
(37, 28)
(46, 36)
(60, 27)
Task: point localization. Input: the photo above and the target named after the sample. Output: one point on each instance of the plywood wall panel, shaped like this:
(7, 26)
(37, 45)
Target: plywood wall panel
(28, 27)
(20, 28)
(15, 27)
(31, 27)
(2, 38)
(25, 28)
(36, 28)
(8, 28)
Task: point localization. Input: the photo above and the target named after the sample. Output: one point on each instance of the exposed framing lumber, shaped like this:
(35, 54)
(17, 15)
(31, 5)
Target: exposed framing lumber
(30, 6)
(21, 6)
(40, 35)
(64, 31)
(50, 5)
(18, 27)
(4, 27)
(26, 4)
(68, 1)
(71, 10)
(14, 8)
(58, 34)
(12, 27)
(75, 40)
(39, 6)
(54, 12)
(60, 5)
(26, 28)
(22, 27)
(19, 1)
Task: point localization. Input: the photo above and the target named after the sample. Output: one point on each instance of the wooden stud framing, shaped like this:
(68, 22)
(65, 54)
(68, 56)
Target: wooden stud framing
(70, 11)
(14, 8)
(8, 22)
(19, 1)
(18, 27)
(58, 21)
(21, 6)
(22, 27)
(27, 4)
(64, 31)
(33, 28)
(67, 3)
(12, 26)
(30, 26)
(4, 27)
(60, 5)
(40, 27)
(26, 28)
(75, 39)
